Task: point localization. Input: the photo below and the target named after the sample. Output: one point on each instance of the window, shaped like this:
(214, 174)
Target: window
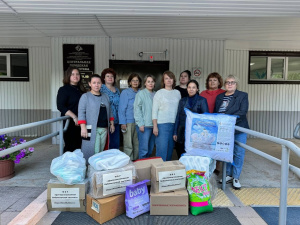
(14, 65)
(274, 67)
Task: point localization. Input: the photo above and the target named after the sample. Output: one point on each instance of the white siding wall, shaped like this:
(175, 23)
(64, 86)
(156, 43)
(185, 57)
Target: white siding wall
(273, 108)
(182, 53)
(25, 102)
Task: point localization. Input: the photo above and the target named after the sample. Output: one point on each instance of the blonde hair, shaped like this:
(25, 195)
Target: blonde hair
(231, 76)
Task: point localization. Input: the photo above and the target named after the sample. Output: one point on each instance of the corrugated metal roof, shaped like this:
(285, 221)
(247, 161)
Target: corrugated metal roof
(207, 19)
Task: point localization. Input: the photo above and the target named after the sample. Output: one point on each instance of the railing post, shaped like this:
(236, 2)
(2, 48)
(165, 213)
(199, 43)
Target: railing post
(61, 137)
(284, 185)
(224, 176)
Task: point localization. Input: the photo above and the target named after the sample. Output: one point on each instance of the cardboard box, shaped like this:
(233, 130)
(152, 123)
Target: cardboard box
(143, 168)
(168, 176)
(171, 203)
(105, 209)
(63, 197)
(108, 183)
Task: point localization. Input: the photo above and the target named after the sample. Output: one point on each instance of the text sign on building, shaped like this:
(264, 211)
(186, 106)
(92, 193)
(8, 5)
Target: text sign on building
(81, 56)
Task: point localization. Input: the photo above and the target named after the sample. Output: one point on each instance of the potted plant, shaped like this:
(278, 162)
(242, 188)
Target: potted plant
(7, 162)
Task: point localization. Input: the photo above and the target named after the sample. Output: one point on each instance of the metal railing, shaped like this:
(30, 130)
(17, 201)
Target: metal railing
(40, 139)
(296, 131)
(284, 162)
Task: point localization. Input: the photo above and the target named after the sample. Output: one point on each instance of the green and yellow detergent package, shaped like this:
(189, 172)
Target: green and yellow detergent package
(199, 192)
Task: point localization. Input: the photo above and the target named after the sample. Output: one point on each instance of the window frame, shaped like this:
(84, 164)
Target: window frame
(8, 52)
(273, 55)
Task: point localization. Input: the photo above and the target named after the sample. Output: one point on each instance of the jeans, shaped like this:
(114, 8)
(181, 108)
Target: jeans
(114, 138)
(146, 142)
(164, 141)
(101, 134)
(236, 167)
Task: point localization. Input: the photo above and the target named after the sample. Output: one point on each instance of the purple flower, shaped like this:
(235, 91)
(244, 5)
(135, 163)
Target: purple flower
(14, 144)
(31, 149)
(23, 150)
(17, 161)
(21, 139)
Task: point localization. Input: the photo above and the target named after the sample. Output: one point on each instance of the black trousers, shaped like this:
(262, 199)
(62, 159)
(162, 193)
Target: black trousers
(179, 149)
(72, 137)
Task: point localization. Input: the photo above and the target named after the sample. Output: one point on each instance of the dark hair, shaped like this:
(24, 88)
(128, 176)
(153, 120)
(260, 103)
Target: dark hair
(106, 71)
(195, 82)
(68, 74)
(214, 75)
(94, 76)
(171, 75)
(147, 76)
(188, 73)
(133, 75)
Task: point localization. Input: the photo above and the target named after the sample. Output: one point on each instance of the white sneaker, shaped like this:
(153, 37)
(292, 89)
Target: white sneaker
(236, 184)
(228, 179)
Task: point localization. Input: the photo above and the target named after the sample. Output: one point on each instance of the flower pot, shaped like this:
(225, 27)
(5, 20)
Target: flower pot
(7, 169)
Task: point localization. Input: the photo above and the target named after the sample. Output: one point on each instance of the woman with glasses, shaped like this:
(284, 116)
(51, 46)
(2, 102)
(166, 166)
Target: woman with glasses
(234, 102)
(164, 111)
(126, 116)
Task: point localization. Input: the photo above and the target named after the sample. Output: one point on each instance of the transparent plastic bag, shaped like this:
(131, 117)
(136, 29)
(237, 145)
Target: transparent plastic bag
(108, 160)
(200, 163)
(70, 168)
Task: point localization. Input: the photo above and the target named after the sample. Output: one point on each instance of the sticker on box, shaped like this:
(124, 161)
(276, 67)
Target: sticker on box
(65, 197)
(171, 180)
(116, 182)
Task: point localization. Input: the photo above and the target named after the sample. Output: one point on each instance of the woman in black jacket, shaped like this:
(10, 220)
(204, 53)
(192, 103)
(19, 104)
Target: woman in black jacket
(67, 103)
(193, 102)
(234, 102)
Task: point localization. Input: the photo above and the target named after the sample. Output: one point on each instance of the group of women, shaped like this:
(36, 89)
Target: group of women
(145, 117)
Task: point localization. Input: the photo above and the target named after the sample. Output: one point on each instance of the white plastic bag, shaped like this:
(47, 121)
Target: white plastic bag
(210, 135)
(199, 163)
(109, 159)
(70, 168)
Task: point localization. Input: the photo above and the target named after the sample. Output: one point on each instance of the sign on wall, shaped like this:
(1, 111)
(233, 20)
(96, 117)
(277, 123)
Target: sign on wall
(81, 56)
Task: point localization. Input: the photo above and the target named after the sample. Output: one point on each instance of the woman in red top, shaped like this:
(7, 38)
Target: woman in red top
(214, 82)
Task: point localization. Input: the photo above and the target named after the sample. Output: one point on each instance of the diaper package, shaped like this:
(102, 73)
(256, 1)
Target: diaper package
(210, 135)
(199, 192)
(137, 199)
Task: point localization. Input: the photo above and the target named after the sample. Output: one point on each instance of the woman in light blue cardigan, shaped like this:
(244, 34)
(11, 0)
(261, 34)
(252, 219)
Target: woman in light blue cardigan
(126, 117)
(143, 117)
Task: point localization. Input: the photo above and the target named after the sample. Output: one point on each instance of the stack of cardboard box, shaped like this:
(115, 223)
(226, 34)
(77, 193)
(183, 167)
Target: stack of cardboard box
(106, 197)
(168, 194)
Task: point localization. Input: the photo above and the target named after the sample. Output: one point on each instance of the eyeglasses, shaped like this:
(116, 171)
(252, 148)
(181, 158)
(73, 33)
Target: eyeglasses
(230, 82)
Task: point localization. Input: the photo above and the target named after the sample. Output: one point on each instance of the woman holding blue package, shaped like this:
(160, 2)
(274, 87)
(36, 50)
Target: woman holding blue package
(193, 102)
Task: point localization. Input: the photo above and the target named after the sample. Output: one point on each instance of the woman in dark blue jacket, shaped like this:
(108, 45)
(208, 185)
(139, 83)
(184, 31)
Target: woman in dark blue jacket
(193, 102)
(234, 102)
